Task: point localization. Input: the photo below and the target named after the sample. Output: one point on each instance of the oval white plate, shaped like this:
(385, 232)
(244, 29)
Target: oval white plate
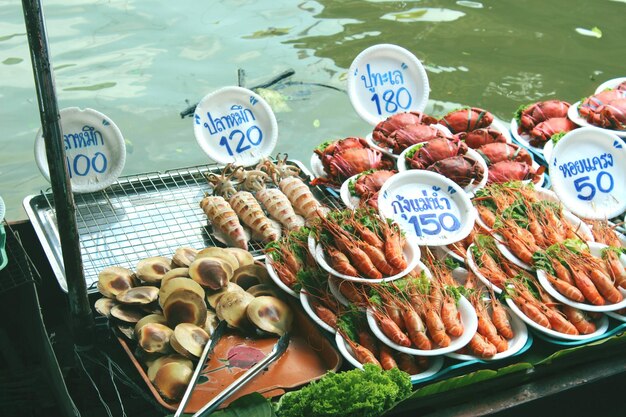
(502, 127)
(351, 201)
(525, 139)
(516, 344)
(602, 324)
(506, 252)
(333, 287)
(410, 185)
(468, 318)
(595, 249)
(610, 84)
(94, 147)
(609, 153)
(436, 363)
(386, 61)
(304, 299)
(575, 117)
(245, 145)
(411, 254)
(471, 263)
(272, 272)
(441, 252)
(386, 151)
(316, 166)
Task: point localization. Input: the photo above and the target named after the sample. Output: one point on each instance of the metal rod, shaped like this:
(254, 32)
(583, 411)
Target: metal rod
(279, 348)
(82, 323)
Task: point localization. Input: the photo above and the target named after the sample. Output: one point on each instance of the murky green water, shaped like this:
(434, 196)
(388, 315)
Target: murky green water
(139, 62)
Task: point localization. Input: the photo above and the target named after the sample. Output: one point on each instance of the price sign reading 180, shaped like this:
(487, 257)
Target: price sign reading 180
(389, 92)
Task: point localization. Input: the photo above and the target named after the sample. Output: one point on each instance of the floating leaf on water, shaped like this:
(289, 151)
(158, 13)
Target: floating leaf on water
(316, 123)
(12, 61)
(259, 34)
(595, 32)
(276, 100)
(425, 15)
(94, 87)
(470, 4)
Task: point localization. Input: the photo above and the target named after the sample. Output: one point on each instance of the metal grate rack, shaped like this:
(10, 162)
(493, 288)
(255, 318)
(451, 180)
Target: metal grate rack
(144, 215)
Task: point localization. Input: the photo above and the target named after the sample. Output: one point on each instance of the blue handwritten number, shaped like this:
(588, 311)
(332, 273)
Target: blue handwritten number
(416, 225)
(104, 162)
(439, 223)
(426, 219)
(376, 100)
(253, 135)
(580, 184)
(258, 134)
(390, 105)
(456, 224)
(409, 99)
(224, 142)
(599, 182)
(393, 100)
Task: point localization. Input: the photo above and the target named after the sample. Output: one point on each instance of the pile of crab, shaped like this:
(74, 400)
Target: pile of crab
(541, 121)
(258, 203)
(606, 109)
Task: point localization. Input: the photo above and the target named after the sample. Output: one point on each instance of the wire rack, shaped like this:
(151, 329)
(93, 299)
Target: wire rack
(140, 216)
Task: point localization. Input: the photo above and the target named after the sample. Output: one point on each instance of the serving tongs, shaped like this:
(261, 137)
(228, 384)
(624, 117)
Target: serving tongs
(279, 348)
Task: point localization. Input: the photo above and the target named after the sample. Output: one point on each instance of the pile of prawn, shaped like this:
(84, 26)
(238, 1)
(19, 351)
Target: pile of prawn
(532, 299)
(289, 256)
(360, 244)
(246, 197)
(490, 262)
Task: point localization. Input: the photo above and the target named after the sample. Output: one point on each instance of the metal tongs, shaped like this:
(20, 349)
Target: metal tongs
(279, 348)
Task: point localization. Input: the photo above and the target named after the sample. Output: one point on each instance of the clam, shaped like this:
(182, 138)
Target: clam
(183, 257)
(249, 275)
(189, 340)
(150, 318)
(264, 289)
(114, 279)
(211, 272)
(212, 297)
(185, 306)
(155, 337)
(104, 305)
(172, 379)
(126, 313)
(155, 365)
(211, 322)
(176, 283)
(243, 256)
(232, 306)
(174, 273)
(215, 252)
(270, 314)
(138, 295)
(152, 269)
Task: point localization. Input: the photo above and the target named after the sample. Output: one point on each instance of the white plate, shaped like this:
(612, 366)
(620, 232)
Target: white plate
(94, 148)
(351, 201)
(442, 252)
(333, 287)
(316, 166)
(516, 344)
(471, 264)
(547, 150)
(468, 318)
(613, 83)
(304, 299)
(575, 117)
(411, 253)
(382, 68)
(599, 192)
(500, 126)
(386, 151)
(595, 249)
(471, 153)
(436, 363)
(272, 272)
(506, 252)
(2, 209)
(452, 207)
(525, 139)
(234, 124)
(616, 316)
(602, 324)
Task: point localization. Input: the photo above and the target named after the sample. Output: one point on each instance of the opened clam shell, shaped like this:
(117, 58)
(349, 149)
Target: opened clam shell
(177, 283)
(155, 337)
(150, 318)
(152, 269)
(265, 289)
(232, 306)
(250, 275)
(183, 257)
(174, 273)
(127, 313)
(138, 295)
(211, 272)
(172, 379)
(215, 252)
(189, 340)
(155, 365)
(243, 256)
(211, 322)
(212, 297)
(270, 314)
(114, 279)
(184, 306)
(104, 305)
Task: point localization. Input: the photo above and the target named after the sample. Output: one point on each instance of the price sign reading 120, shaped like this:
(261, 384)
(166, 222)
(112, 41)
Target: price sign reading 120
(389, 93)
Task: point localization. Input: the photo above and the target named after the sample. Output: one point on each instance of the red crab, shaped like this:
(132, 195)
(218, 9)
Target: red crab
(411, 135)
(545, 130)
(467, 119)
(613, 115)
(496, 152)
(461, 169)
(347, 157)
(530, 116)
(398, 121)
(504, 171)
(368, 185)
(436, 150)
(479, 137)
(588, 109)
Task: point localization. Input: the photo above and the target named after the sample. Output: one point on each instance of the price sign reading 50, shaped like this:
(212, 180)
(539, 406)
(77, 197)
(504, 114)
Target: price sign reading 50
(586, 187)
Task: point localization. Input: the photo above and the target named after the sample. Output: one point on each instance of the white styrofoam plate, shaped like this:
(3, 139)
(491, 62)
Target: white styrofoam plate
(575, 117)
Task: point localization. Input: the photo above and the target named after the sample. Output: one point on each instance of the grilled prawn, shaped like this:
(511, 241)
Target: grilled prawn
(224, 220)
